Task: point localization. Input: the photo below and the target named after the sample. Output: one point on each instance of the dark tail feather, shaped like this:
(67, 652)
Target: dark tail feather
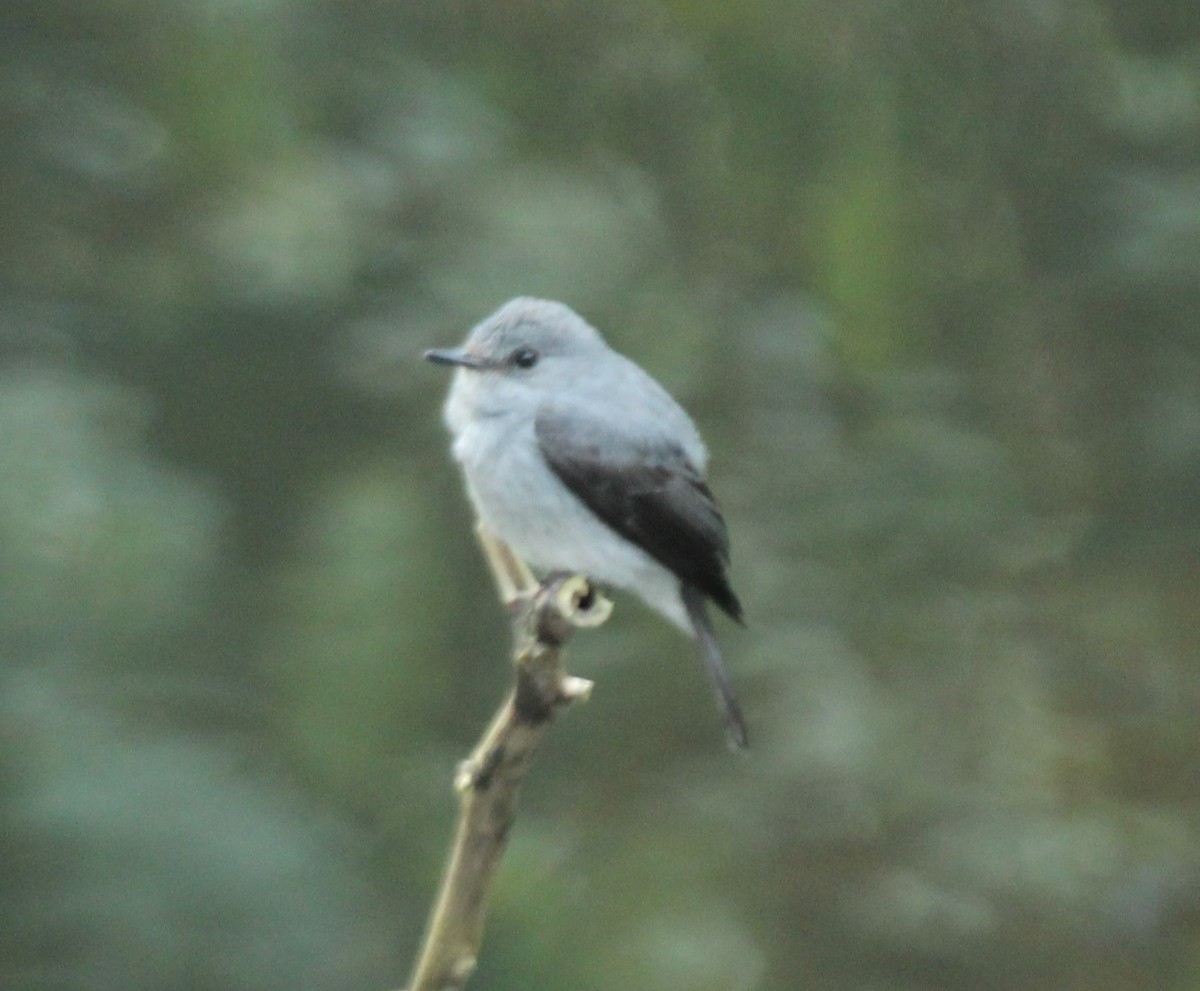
(714, 667)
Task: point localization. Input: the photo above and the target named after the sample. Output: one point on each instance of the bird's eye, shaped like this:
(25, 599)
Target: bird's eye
(525, 357)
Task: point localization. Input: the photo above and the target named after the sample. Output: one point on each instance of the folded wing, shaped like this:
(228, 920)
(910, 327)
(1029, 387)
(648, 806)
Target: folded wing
(648, 491)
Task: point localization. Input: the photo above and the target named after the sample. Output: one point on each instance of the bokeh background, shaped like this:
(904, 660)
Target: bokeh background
(926, 274)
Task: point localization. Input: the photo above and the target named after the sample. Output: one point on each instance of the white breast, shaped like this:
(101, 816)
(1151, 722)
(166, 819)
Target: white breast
(525, 504)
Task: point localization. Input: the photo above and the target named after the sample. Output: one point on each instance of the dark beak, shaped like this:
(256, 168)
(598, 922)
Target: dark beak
(454, 356)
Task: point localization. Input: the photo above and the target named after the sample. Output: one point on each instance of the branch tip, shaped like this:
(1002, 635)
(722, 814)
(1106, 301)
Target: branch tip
(580, 602)
(576, 689)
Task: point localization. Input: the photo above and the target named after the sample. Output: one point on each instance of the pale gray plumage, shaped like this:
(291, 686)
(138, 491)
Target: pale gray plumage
(581, 462)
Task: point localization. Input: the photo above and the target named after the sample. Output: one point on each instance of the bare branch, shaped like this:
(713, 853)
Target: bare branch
(544, 617)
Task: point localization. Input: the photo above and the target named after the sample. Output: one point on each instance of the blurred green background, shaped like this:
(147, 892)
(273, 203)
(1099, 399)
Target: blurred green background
(927, 275)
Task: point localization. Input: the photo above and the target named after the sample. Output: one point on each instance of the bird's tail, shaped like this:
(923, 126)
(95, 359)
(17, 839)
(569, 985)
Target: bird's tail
(715, 668)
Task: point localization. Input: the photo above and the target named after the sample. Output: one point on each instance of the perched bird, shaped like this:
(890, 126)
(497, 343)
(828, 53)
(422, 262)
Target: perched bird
(581, 462)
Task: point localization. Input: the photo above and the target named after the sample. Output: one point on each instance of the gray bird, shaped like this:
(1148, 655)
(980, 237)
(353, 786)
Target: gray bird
(581, 462)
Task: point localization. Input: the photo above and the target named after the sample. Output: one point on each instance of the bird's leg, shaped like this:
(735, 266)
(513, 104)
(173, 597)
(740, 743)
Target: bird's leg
(578, 597)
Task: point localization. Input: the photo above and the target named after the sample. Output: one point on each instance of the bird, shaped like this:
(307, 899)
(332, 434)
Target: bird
(581, 462)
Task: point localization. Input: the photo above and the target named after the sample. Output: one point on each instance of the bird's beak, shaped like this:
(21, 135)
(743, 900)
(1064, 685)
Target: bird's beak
(454, 356)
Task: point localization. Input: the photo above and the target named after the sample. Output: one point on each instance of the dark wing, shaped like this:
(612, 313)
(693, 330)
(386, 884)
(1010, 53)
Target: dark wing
(648, 492)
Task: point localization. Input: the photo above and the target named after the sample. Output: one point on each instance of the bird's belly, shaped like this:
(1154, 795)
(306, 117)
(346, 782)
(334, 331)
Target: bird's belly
(526, 505)
(522, 501)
